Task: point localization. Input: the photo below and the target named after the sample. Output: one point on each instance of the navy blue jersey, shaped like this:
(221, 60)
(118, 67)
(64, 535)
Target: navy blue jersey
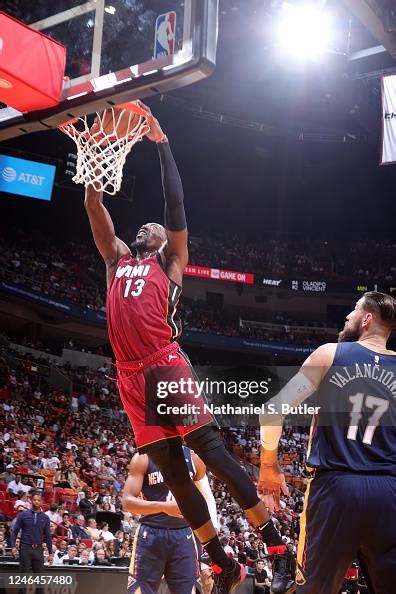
(154, 489)
(355, 429)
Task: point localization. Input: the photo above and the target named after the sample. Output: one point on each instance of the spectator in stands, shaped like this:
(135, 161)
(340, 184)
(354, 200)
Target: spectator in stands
(124, 551)
(79, 530)
(3, 544)
(73, 479)
(50, 461)
(224, 541)
(261, 550)
(39, 462)
(16, 487)
(3, 528)
(8, 476)
(92, 530)
(53, 513)
(252, 553)
(119, 483)
(110, 549)
(84, 558)
(109, 507)
(105, 532)
(242, 558)
(100, 558)
(261, 581)
(223, 526)
(23, 503)
(81, 546)
(128, 538)
(118, 511)
(233, 525)
(72, 555)
(60, 480)
(87, 505)
(62, 506)
(100, 498)
(60, 552)
(233, 546)
(55, 539)
(251, 540)
(65, 527)
(243, 523)
(299, 505)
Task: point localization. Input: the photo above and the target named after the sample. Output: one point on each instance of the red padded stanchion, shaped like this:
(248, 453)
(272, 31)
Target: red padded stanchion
(32, 66)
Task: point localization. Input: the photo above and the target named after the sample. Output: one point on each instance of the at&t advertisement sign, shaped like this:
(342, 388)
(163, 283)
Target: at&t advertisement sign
(26, 178)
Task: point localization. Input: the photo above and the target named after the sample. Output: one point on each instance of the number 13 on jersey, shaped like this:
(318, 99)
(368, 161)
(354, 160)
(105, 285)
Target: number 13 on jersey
(134, 288)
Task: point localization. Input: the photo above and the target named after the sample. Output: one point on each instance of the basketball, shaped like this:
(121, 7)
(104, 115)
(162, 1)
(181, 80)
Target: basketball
(116, 122)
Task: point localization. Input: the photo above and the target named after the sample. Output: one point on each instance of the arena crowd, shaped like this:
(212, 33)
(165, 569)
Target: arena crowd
(75, 272)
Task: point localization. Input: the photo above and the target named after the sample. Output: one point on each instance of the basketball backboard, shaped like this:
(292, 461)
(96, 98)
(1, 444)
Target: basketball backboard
(117, 51)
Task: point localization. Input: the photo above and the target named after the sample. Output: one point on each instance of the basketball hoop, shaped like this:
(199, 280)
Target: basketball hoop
(102, 148)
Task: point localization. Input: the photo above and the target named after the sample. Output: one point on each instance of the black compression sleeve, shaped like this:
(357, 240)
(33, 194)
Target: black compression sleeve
(175, 216)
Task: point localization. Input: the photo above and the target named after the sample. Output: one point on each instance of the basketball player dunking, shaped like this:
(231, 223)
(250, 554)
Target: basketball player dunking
(350, 503)
(164, 545)
(143, 291)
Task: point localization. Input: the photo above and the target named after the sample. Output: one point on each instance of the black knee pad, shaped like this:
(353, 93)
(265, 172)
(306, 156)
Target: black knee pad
(168, 456)
(209, 446)
(206, 438)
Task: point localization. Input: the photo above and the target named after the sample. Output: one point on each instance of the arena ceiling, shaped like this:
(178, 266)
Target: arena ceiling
(308, 137)
(254, 82)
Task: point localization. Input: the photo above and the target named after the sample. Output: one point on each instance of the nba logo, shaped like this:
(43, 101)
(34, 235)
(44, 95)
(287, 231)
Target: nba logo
(165, 28)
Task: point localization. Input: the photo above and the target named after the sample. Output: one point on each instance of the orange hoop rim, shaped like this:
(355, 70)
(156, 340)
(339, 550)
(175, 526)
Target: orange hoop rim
(68, 128)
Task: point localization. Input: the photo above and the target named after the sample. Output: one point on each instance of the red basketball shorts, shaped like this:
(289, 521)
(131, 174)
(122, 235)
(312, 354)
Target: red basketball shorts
(160, 396)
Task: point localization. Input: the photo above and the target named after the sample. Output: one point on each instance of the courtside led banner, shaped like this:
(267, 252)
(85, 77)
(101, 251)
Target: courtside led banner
(26, 178)
(246, 278)
(388, 120)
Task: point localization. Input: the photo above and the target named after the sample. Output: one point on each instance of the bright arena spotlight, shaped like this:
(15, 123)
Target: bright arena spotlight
(304, 31)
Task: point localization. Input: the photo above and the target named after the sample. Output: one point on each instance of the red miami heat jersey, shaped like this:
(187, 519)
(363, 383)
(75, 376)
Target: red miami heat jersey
(141, 306)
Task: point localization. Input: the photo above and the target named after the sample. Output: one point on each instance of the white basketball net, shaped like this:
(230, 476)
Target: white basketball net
(101, 156)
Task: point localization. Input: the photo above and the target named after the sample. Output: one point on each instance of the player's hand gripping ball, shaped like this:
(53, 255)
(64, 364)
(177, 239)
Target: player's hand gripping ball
(115, 123)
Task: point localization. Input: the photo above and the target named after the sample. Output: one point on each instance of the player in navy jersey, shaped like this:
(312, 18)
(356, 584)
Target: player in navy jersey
(350, 502)
(144, 285)
(164, 544)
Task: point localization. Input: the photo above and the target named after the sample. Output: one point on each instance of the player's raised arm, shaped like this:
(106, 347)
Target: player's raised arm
(175, 217)
(110, 247)
(305, 383)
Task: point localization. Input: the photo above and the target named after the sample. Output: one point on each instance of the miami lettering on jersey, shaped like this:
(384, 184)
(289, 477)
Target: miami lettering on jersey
(133, 271)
